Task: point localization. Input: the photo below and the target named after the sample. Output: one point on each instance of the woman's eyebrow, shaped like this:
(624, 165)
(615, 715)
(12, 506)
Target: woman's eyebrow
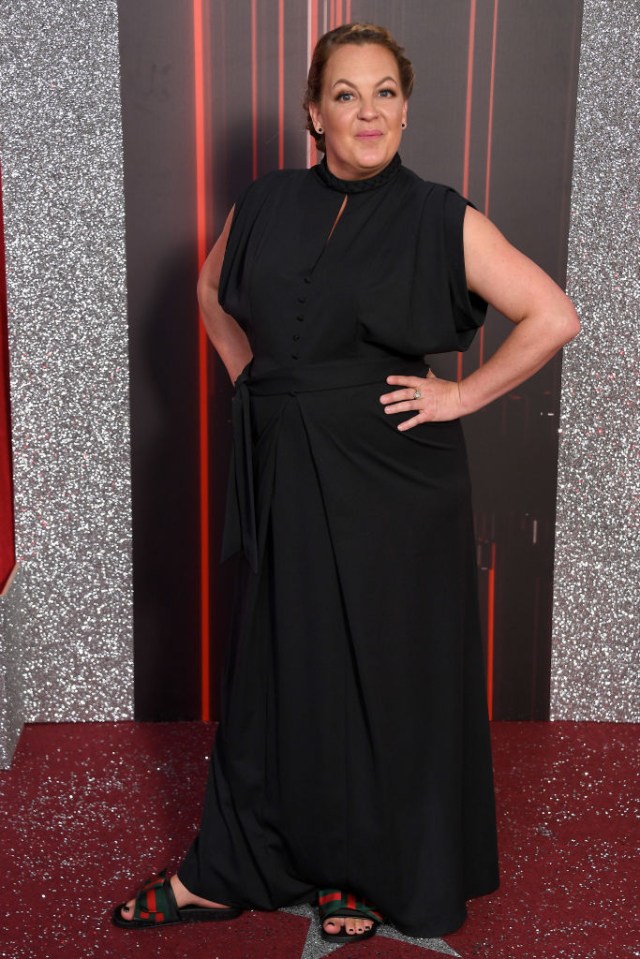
(350, 84)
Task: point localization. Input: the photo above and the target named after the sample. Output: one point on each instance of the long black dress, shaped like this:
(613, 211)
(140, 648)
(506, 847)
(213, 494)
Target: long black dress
(353, 750)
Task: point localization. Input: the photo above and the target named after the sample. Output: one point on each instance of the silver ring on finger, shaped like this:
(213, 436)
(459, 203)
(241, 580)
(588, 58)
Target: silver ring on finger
(417, 395)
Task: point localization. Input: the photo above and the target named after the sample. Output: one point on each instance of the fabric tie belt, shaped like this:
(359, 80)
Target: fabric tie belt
(240, 529)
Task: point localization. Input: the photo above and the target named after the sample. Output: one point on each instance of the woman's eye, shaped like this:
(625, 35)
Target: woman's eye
(344, 97)
(387, 93)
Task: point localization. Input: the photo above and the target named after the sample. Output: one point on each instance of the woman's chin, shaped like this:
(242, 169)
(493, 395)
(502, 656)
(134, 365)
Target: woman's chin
(372, 164)
(374, 148)
(365, 159)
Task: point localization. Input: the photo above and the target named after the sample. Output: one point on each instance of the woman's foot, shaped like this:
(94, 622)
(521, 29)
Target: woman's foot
(183, 898)
(346, 918)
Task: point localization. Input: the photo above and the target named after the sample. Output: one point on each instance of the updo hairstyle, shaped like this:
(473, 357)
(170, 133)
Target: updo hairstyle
(360, 34)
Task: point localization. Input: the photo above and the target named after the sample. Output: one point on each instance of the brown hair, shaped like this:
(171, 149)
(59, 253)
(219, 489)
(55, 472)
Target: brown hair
(360, 34)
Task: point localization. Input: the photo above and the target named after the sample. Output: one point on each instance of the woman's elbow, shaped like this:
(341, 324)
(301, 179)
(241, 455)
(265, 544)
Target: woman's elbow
(554, 322)
(569, 326)
(206, 289)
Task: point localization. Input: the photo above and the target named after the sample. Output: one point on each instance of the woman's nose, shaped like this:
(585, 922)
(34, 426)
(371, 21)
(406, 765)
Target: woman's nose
(367, 110)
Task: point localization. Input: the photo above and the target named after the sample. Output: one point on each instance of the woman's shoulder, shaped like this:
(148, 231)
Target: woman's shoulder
(425, 188)
(275, 181)
(436, 202)
(266, 192)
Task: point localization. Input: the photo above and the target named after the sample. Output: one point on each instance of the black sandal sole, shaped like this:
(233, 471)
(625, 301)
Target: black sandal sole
(188, 914)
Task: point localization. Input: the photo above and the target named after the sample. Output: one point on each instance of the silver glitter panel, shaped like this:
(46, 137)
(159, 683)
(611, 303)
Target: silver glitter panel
(11, 666)
(64, 225)
(596, 641)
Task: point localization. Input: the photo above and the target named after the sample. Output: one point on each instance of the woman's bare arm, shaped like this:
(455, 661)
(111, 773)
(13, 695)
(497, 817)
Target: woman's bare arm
(544, 320)
(544, 317)
(229, 340)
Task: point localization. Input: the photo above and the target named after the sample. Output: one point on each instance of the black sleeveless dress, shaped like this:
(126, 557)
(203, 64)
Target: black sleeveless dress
(353, 750)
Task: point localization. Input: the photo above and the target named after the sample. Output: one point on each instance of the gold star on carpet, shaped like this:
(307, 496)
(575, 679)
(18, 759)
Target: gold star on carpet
(315, 947)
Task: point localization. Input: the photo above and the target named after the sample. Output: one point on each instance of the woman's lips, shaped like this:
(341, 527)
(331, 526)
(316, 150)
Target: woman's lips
(369, 134)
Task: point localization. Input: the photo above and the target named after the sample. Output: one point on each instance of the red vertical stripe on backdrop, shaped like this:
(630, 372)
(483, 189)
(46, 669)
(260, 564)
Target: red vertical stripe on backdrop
(254, 85)
(313, 21)
(494, 39)
(203, 378)
(467, 122)
(7, 541)
(469, 103)
(280, 84)
(491, 612)
(487, 182)
(312, 18)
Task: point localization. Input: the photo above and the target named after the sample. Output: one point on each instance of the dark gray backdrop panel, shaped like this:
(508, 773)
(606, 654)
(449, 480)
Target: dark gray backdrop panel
(513, 444)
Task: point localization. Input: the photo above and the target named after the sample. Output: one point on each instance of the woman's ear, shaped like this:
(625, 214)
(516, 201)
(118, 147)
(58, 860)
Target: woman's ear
(316, 116)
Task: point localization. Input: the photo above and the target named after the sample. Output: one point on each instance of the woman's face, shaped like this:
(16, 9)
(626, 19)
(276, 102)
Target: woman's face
(361, 110)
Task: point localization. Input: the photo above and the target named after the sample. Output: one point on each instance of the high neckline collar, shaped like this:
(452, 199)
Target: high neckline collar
(358, 186)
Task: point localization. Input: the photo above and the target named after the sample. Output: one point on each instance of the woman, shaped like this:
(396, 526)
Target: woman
(352, 764)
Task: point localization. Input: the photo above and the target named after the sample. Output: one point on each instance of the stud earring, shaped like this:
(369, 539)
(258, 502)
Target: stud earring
(319, 131)
(404, 124)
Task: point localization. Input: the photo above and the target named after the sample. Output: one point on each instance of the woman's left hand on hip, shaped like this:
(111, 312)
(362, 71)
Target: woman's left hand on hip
(431, 399)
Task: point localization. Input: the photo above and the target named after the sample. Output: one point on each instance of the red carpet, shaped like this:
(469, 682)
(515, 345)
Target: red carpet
(90, 810)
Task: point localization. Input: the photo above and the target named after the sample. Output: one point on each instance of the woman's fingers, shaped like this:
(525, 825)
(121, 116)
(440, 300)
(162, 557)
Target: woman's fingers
(410, 384)
(405, 407)
(428, 397)
(411, 397)
(400, 396)
(414, 421)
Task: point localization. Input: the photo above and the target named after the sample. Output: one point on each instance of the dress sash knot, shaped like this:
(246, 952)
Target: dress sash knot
(240, 527)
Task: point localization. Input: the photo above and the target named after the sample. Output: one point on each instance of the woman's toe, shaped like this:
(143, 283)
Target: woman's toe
(126, 911)
(352, 927)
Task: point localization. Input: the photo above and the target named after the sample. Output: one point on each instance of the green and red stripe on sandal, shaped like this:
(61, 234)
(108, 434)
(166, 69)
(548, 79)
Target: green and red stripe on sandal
(335, 904)
(155, 905)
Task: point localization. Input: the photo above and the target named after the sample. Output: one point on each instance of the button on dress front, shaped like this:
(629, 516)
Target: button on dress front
(353, 750)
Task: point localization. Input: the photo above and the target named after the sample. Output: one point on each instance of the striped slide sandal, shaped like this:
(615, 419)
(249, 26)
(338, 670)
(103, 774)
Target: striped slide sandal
(156, 906)
(334, 904)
